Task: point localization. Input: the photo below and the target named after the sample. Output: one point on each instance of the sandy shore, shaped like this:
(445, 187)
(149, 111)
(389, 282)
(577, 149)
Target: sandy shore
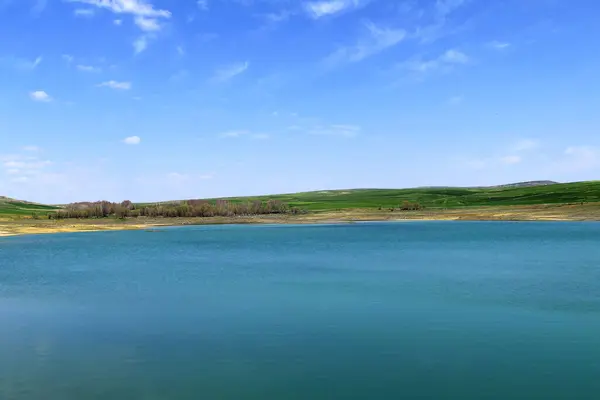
(567, 212)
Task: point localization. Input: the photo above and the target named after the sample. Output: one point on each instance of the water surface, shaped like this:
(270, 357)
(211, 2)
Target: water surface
(423, 310)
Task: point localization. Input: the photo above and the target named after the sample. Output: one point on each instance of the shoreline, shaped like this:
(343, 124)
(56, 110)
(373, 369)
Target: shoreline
(558, 212)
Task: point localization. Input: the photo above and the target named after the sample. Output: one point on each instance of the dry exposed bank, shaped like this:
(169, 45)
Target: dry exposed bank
(567, 212)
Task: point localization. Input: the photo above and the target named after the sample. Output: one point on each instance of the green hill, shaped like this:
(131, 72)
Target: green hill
(525, 193)
(12, 207)
(450, 197)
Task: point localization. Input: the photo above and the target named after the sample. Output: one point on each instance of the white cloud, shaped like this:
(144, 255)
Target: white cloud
(244, 133)
(377, 40)
(202, 5)
(497, 45)
(228, 72)
(118, 22)
(40, 95)
(526, 144)
(336, 130)
(116, 85)
(87, 68)
(39, 7)
(319, 9)
(444, 63)
(140, 44)
(84, 12)
(512, 159)
(23, 167)
(134, 7)
(132, 140)
(456, 100)
(454, 57)
(20, 63)
(442, 11)
(145, 16)
(276, 17)
(27, 164)
(33, 149)
(234, 134)
(68, 58)
(147, 24)
(445, 7)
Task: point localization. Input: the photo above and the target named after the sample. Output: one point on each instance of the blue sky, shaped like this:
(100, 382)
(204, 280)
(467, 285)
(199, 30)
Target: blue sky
(156, 100)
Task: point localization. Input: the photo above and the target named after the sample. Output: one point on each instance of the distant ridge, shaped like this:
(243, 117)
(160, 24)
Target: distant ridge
(505, 186)
(525, 184)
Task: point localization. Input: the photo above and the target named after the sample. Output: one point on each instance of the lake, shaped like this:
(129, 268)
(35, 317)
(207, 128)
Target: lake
(416, 310)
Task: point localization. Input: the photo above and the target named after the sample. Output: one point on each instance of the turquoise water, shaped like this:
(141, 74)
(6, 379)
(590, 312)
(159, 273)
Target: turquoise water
(419, 310)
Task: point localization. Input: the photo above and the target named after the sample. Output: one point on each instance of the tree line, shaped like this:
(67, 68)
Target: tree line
(407, 206)
(187, 208)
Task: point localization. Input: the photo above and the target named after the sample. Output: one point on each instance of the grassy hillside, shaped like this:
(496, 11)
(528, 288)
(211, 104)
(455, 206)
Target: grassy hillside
(10, 207)
(441, 197)
(508, 195)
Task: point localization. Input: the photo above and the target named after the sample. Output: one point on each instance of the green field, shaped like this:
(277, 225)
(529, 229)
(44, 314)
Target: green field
(561, 193)
(10, 207)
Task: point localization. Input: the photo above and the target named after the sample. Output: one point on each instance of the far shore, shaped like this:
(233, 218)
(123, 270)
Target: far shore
(559, 212)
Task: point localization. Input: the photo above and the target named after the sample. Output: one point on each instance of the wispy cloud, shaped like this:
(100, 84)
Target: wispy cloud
(23, 167)
(180, 50)
(202, 5)
(444, 63)
(244, 133)
(280, 16)
(525, 144)
(88, 68)
(147, 24)
(68, 58)
(21, 63)
(377, 40)
(132, 140)
(138, 8)
(456, 100)
(234, 133)
(319, 9)
(230, 71)
(140, 44)
(497, 45)
(440, 25)
(32, 149)
(40, 95)
(145, 16)
(84, 12)
(336, 130)
(116, 85)
(511, 159)
(39, 7)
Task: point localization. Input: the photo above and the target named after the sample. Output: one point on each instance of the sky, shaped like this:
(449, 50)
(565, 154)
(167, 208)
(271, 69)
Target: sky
(152, 100)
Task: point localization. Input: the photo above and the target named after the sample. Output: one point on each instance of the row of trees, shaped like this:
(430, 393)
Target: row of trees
(188, 208)
(407, 206)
